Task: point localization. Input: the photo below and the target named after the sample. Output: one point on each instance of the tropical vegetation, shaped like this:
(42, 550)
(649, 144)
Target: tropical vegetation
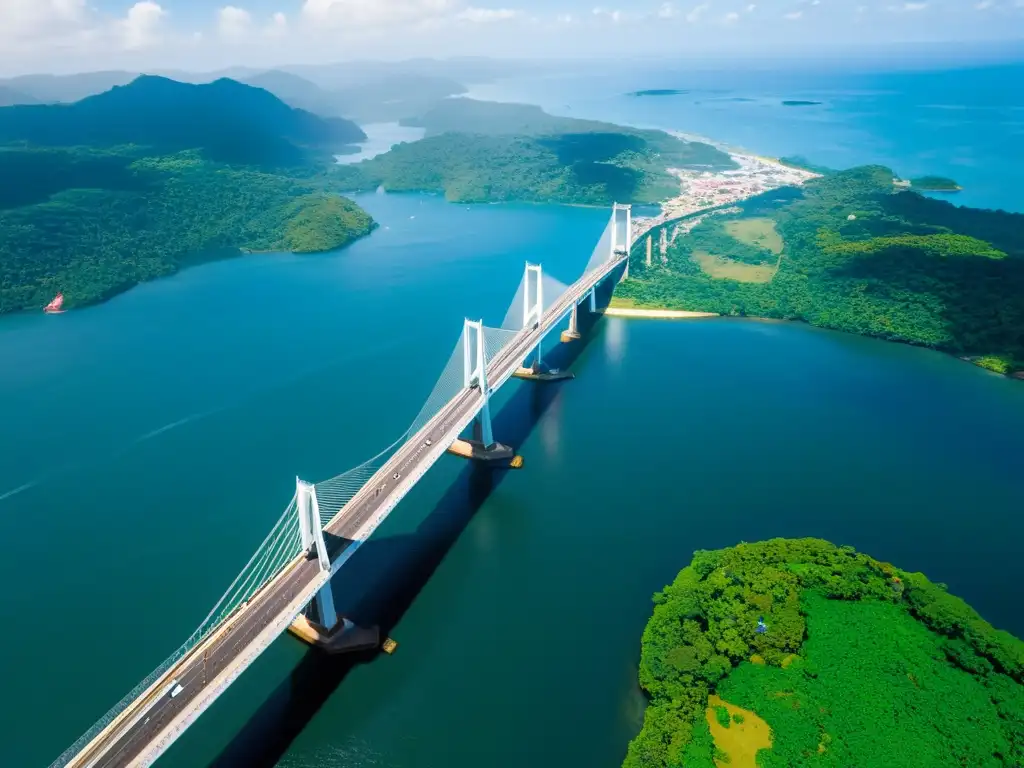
(138, 182)
(484, 152)
(858, 255)
(849, 660)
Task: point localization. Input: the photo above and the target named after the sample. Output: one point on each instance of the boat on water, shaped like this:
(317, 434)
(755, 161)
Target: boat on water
(55, 306)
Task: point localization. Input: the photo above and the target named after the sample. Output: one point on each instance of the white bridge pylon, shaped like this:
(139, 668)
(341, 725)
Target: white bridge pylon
(623, 247)
(312, 533)
(475, 373)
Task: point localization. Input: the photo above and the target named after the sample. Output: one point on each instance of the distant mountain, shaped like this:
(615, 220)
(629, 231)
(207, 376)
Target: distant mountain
(54, 89)
(229, 121)
(366, 95)
(9, 96)
(297, 92)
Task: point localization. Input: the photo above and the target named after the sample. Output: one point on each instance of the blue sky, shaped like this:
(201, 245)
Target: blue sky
(71, 35)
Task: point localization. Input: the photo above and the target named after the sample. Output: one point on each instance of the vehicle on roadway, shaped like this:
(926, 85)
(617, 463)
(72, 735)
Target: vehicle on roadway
(429, 442)
(176, 689)
(397, 475)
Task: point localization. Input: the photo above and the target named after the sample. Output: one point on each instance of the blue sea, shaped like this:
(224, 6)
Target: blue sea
(966, 123)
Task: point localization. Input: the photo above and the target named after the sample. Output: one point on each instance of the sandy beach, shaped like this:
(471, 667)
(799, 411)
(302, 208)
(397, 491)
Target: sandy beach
(669, 314)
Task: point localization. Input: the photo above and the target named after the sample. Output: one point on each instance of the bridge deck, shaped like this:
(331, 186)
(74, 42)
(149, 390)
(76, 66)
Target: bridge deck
(148, 726)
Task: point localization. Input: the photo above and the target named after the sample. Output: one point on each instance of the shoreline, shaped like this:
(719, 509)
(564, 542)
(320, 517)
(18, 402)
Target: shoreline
(665, 314)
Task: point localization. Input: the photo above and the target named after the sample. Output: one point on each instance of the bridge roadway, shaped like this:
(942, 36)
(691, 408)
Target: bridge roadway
(148, 726)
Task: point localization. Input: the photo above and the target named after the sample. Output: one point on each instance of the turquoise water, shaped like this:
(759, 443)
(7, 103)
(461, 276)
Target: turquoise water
(159, 435)
(380, 137)
(964, 123)
(148, 444)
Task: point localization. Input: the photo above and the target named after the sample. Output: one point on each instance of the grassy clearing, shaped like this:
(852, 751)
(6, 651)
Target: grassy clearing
(758, 231)
(741, 739)
(727, 269)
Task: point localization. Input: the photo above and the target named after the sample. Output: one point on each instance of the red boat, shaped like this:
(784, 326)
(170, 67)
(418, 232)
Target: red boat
(54, 307)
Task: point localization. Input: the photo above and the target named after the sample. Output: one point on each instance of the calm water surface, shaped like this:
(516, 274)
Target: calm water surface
(966, 123)
(148, 444)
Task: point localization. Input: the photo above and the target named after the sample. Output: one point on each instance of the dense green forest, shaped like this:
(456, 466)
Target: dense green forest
(859, 664)
(858, 256)
(935, 184)
(137, 218)
(596, 165)
(135, 183)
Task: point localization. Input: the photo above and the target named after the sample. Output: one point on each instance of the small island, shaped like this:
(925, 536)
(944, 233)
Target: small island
(800, 103)
(935, 184)
(659, 92)
(796, 652)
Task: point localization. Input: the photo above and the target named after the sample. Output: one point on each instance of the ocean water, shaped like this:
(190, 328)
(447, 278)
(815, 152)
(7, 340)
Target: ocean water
(147, 443)
(380, 137)
(965, 123)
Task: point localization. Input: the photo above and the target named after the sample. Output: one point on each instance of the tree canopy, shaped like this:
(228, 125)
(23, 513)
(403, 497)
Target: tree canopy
(849, 660)
(858, 256)
(590, 167)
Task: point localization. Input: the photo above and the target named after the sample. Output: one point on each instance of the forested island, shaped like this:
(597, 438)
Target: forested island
(659, 92)
(935, 184)
(149, 177)
(800, 653)
(488, 152)
(849, 251)
(800, 103)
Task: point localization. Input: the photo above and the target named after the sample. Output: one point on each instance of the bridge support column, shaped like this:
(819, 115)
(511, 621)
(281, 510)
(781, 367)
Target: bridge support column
(650, 248)
(573, 332)
(593, 301)
(482, 446)
(623, 248)
(324, 628)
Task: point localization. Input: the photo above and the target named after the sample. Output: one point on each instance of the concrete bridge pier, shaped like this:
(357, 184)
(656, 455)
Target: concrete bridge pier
(320, 624)
(573, 332)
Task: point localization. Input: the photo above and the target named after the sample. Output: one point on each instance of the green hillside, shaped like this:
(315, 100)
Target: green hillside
(136, 183)
(859, 664)
(504, 152)
(858, 256)
(228, 121)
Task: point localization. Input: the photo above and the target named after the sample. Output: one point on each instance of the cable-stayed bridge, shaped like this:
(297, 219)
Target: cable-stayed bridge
(287, 582)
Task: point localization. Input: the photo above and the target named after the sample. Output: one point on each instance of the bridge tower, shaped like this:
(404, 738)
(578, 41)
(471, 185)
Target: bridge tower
(622, 248)
(327, 630)
(482, 446)
(533, 313)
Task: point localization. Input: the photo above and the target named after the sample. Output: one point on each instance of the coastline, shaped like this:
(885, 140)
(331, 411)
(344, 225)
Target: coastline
(666, 314)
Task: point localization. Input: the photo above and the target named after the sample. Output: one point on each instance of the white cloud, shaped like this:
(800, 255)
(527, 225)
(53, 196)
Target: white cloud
(278, 26)
(233, 23)
(614, 16)
(908, 7)
(793, 15)
(667, 11)
(141, 26)
(696, 12)
(565, 18)
(350, 13)
(750, 8)
(730, 18)
(38, 20)
(984, 5)
(482, 15)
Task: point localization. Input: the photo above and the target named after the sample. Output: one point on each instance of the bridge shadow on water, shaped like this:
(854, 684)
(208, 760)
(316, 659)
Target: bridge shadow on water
(398, 567)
